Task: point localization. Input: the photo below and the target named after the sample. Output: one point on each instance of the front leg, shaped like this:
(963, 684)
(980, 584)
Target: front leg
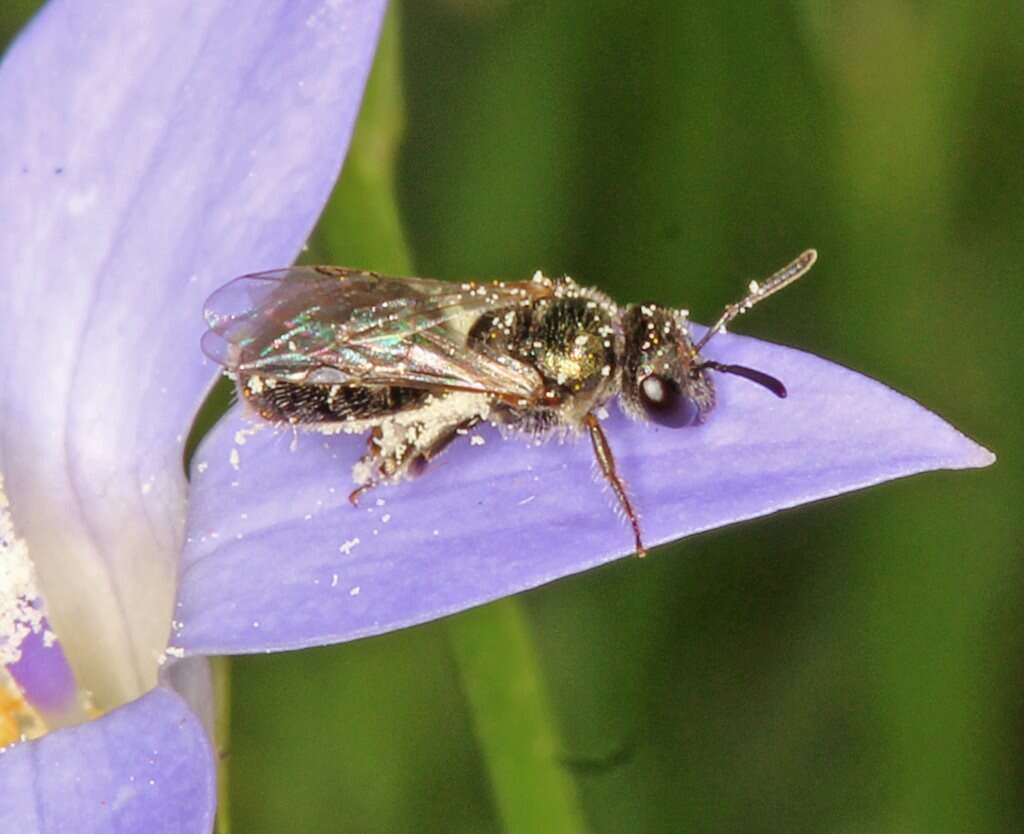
(606, 460)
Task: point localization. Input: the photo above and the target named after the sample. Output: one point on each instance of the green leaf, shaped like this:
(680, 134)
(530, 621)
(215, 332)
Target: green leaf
(514, 721)
(360, 226)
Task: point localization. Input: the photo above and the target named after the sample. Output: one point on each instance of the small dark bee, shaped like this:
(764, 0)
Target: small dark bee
(417, 362)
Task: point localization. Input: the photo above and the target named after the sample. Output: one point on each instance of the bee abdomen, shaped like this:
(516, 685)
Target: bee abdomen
(298, 403)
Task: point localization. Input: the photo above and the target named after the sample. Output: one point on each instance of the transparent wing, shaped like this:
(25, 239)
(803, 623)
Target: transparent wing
(337, 326)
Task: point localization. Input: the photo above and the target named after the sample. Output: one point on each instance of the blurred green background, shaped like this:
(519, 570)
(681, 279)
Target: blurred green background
(850, 666)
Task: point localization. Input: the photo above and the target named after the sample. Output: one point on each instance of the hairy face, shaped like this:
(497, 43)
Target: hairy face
(662, 380)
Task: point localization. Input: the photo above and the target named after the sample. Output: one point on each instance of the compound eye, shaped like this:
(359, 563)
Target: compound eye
(665, 404)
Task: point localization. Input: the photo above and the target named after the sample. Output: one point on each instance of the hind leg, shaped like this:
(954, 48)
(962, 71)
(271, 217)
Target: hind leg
(402, 447)
(410, 464)
(370, 461)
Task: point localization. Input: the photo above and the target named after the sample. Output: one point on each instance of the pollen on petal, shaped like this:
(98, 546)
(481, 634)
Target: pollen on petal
(36, 671)
(20, 614)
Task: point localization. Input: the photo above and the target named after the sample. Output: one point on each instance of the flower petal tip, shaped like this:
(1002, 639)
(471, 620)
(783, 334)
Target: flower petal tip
(979, 457)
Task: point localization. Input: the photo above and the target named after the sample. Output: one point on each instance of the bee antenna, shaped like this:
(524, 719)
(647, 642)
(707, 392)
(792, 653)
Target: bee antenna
(758, 292)
(760, 377)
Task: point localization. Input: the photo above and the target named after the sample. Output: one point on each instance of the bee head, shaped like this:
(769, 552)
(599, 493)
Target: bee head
(663, 379)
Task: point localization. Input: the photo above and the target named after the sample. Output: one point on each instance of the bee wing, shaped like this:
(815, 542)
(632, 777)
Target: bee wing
(337, 326)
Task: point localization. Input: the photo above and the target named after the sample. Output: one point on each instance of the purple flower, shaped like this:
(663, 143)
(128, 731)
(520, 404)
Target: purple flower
(277, 558)
(150, 153)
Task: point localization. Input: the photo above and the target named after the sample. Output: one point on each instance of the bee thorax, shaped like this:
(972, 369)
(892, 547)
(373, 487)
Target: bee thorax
(572, 341)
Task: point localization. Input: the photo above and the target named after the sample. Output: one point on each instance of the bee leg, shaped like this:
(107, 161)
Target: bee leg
(377, 465)
(371, 460)
(603, 453)
(418, 462)
(359, 492)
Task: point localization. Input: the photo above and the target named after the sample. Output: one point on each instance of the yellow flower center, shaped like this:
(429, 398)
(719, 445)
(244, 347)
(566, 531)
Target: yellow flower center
(18, 721)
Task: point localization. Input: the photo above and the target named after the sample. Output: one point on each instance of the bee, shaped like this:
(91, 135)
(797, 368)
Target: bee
(417, 362)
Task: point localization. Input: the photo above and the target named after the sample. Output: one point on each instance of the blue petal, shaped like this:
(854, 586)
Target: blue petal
(151, 151)
(192, 679)
(146, 766)
(277, 558)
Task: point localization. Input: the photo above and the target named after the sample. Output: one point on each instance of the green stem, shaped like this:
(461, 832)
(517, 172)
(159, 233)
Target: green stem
(514, 722)
(222, 734)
